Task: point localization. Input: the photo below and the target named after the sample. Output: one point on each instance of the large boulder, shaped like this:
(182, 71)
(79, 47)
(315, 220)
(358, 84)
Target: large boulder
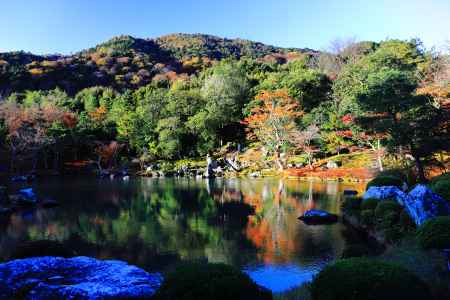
(384, 193)
(75, 278)
(422, 204)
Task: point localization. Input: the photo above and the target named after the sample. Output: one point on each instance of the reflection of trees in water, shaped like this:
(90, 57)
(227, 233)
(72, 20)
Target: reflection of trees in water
(161, 218)
(165, 220)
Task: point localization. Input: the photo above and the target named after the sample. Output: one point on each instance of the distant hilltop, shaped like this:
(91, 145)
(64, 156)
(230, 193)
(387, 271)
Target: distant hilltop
(129, 62)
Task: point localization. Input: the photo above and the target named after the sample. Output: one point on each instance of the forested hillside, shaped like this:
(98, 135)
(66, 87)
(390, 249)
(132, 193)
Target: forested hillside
(183, 96)
(128, 62)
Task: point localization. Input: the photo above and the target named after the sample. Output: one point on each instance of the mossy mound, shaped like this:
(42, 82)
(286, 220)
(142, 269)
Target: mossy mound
(365, 279)
(435, 233)
(210, 281)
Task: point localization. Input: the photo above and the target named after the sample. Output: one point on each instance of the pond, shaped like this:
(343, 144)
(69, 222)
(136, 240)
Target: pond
(156, 223)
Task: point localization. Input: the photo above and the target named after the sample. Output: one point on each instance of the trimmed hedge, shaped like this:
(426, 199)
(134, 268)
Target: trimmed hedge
(385, 181)
(370, 203)
(435, 233)
(351, 203)
(355, 250)
(394, 173)
(365, 279)
(210, 281)
(386, 206)
(441, 186)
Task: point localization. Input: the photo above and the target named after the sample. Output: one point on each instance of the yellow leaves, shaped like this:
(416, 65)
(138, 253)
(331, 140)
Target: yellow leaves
(36, 71)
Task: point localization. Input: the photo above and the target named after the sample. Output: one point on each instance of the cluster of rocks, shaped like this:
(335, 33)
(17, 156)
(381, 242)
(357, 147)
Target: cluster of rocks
(24, 198)
(421, 203)
(123, 174)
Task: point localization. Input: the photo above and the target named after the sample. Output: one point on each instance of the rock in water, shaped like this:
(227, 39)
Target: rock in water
(27, 196)
(75, 278)
(317, 217)
(350, 192)
(422, 204)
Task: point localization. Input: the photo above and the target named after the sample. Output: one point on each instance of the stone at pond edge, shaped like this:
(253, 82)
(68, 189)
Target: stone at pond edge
(422, 204)
(384, 193)
(317, 217)
(75, 278)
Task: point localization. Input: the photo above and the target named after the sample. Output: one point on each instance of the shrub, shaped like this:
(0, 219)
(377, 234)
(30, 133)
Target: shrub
(435, 233)
(370, 203)
(441, 186)
(355, 250)
(386, 206)
(405, 221)
(209, 281)
(398, 173)
(362, 278)
(368, 217)
(385, 181)
(351, 203)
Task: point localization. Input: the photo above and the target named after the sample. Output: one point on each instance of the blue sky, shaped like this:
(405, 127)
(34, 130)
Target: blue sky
(65, 26)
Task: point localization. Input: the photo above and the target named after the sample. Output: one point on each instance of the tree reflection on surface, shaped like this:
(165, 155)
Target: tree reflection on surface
(154, 223)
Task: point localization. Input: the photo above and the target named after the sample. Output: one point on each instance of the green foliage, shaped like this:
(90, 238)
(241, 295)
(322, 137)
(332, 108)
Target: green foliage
(385, 181)
(435, 233)
(209, 281)
(355, 250)
(398, 173)
(368, 217)
(360, 279)
(351, 203)
(387, 206)
(441, 186)
(370, 203)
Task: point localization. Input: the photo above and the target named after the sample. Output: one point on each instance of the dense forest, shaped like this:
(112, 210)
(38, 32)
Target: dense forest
(183, 96)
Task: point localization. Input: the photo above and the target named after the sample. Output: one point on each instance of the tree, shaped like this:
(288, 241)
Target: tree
(273, 121)
(225, 92)
(304, 140)
(384, 85)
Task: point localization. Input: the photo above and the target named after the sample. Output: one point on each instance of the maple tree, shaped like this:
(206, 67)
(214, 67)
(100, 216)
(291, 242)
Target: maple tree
(273, 121)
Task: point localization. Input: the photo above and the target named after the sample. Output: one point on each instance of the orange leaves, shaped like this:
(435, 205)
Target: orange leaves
(274, 118)
(69, 120)
(99, 114)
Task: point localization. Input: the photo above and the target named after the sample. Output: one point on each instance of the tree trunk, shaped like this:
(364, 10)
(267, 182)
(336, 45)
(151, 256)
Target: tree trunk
(420, 170)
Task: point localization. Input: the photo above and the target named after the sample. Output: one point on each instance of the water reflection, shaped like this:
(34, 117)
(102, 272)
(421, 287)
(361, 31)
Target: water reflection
(155, 223)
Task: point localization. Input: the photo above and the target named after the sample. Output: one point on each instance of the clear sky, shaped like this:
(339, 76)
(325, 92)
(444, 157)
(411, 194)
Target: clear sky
(65, 26)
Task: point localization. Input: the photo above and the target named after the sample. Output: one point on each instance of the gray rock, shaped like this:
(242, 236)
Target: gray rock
(332, 165)
(385, 192)
(422, 204)
(75, 278)
(316, 217)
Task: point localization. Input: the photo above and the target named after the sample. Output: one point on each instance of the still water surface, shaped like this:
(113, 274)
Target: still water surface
(156, 223)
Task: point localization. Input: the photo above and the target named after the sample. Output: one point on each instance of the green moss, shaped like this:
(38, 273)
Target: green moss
(435, 233)
(362, 278)
(209, 281)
